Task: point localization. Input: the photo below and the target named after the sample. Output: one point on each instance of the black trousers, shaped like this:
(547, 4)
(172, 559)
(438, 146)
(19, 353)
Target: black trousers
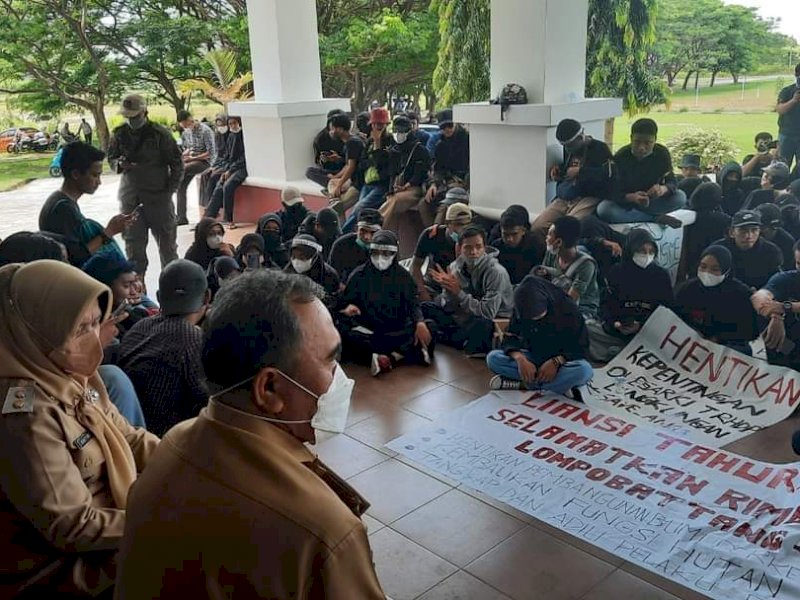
(472, 334)
(358, 347)
(223, 195)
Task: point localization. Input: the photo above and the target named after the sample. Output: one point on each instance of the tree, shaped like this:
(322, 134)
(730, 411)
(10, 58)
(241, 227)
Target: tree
(225, 85)
(50, 56)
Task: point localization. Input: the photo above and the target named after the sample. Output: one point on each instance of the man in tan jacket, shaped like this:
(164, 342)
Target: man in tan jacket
(235, 505)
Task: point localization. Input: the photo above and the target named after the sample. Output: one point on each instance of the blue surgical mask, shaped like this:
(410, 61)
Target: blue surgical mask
(454, 236)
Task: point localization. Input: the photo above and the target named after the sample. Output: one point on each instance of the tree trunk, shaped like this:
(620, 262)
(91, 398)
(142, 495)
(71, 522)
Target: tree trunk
(671, 78)
(713, 78)
(100, 124)
(696, 78)
(686, 80)
(735, 77)
(358, 91)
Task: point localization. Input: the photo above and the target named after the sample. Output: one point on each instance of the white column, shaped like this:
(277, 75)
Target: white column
(540, 44)
(288, 110)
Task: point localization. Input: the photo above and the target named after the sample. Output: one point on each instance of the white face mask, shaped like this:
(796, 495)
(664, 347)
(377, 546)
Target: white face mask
(709, 279)
(332, 406)
(474, 262)
(214, 241)
(302, 266)
(222, 130)
(400, 138)
(235, 129)
(643, 259)
(551, 249)
(382, 262)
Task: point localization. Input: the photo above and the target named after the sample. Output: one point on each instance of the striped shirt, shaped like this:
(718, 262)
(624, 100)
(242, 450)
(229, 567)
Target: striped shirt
(199, 139)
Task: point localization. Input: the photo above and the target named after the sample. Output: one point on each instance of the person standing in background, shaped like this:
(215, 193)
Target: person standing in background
(87, 131)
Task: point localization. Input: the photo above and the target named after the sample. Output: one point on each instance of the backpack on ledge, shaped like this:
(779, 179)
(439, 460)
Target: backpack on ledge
(512, 93)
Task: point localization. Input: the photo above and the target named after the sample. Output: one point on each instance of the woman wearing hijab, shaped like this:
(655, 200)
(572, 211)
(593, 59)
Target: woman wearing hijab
(716, 304)
(250, 254)
(383, 323)
(710, 224)
(327, 230)
(270, 227)
(636, 288)
(307, 260)
(208, 243)
(69, 457)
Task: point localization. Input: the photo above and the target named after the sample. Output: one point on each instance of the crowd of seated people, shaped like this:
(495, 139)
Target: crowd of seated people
(211, 359)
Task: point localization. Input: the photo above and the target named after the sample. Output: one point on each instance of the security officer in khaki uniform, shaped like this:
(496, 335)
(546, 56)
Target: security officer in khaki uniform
(67, 457)
(150, 162)
(233, 505)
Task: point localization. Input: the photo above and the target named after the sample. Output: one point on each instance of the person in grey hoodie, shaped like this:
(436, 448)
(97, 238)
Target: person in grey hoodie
(476, 289)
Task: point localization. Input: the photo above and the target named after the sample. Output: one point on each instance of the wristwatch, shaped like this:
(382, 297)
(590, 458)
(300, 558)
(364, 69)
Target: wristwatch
(787, 307)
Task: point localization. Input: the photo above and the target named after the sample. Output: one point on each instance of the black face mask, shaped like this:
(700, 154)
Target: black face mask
(272, 239)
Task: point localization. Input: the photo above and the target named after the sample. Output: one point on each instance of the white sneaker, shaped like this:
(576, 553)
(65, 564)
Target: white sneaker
(501, 384)
(426, 356)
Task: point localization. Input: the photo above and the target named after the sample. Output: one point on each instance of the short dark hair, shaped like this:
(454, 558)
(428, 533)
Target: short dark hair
(340, 121)
(79, 156)
(472, 231)
(644, 127)
(333, 112)
(27, 246)
(568, 230)
(763, 135)
(252, 324)
(183, 115)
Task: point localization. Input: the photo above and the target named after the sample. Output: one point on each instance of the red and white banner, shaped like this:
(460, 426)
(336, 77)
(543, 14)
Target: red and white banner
(671, 377)
(721, 524)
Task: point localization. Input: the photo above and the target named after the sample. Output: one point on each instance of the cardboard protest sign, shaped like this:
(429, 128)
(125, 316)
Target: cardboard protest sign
(669, 376)
(668, 240)
(715, 522)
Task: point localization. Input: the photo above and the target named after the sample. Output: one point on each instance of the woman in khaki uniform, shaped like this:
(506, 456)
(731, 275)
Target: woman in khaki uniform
(67, 457)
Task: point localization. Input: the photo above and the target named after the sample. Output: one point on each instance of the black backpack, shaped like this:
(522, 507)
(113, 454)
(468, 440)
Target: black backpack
(512, 93)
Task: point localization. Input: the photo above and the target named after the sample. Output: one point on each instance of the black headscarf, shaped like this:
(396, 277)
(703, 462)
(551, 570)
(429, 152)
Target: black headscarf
(636, 239)
(706, 197)
(724, 258)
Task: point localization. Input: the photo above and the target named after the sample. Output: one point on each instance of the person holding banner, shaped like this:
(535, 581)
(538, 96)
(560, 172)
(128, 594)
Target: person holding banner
(545, 344)
(716, 304)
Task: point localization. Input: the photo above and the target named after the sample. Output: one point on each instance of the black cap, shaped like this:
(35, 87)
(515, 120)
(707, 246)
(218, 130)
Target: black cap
(690, 160)
(770, 214)
(444, 118)
(401, 124)
(567, 130)
(746, 217)
(182, 287)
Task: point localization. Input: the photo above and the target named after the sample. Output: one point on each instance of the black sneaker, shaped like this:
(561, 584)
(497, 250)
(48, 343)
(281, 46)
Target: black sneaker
(574, 394)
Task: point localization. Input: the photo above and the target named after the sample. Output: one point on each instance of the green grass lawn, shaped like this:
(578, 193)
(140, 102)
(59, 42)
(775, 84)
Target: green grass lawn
(17, 170)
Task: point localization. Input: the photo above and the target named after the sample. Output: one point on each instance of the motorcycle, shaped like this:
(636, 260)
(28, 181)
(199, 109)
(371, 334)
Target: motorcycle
(55, 164)
(23, 144)
(41, 144)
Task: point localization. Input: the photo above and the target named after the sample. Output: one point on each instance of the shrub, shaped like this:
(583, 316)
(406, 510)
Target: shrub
(714, 148)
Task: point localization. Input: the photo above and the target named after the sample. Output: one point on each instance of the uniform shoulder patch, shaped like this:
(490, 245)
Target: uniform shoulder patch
(19, 399)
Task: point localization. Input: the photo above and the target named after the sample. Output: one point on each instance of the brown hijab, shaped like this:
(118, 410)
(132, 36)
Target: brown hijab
(40, 308)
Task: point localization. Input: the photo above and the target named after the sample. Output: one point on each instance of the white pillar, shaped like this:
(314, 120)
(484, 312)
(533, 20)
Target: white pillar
(540, 44)
(288, 110)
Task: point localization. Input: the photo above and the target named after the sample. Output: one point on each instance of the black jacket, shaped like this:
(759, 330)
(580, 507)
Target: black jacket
(596, 175)
(451, 156)
(234, 150)
(732, 194)
(324, 275)
(409, 161)
(721, 314)
(274, 247)
(635, 175)
(755, 266)
(634, 293)
(291, 217)
(520, 260)
(346, 255)
(707, 227)
(375, 157)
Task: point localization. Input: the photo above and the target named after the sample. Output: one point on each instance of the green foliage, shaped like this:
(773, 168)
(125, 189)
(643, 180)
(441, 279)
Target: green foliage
(714, 148)
(225, 84)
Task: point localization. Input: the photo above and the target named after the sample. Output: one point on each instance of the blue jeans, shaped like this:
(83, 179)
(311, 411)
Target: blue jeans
(371, 196)
(789, 148)
(613, 212)
(571, 374)
(122, 394)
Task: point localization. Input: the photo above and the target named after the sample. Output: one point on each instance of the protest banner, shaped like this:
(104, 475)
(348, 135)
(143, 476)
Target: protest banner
(672, 377)
(715, 522)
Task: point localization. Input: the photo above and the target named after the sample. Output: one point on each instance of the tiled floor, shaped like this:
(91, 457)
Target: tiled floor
(431, 538)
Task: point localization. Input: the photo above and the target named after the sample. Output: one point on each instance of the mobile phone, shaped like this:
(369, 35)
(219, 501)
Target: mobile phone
(119, 310)
(139, 209)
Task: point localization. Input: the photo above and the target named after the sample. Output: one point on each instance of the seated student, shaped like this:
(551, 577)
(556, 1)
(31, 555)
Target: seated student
(774, 180)
(307, 260)
(716, 304)
(790, 214)
(293, 212)
(545, 344)
(270, 228)
(69, 457)
(408, 163)
(162, 354)
(645, 188)
(691, 168)
(352, 249)
(636, 288)
(234, 174)
(766, 152)
(518, 250)
(689, 184)
(585, 177)
(210, 177)
(343, 187)
(119, 275)
(772, 230)
(437, 245)
(328, 154)
(573, 270)
(729, 179)
(710, 224)
(208, 243)
(27, 246)
(250, 253)
(604, 243)
(421, 135)
(779, 301)
(476, 290)
(449, 165)
(755, 259)
(382, 322)
(222, 271)
(326, 229)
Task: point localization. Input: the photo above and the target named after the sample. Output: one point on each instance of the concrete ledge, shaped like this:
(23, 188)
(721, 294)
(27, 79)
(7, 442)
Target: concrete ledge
(281, 110)
(538, 115)
(259, 195)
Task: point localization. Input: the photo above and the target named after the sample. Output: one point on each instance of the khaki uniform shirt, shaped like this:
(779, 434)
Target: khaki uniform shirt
(233, 507)
(55, 502)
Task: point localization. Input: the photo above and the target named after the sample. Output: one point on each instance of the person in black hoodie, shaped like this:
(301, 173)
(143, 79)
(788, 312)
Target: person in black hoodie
(250, 254)
(234, 174)
(352, 249)
(409, 163)
(772, 230)
(328, 154)
(716, 304)
(545, 344)
(326, 230)
(382, 322)
(210, 177)
(518, 249)
(710, 224)
(636, 288)
(755, 259)
(208, 243)
(270, 227)
(449, 162)
(729, 179)
(293, 212)
(307, 260)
